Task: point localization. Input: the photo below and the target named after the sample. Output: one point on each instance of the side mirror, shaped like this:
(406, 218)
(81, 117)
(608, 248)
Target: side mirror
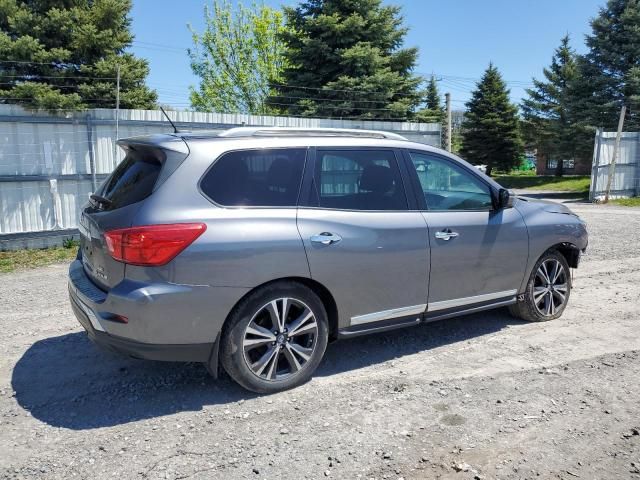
(505, 199)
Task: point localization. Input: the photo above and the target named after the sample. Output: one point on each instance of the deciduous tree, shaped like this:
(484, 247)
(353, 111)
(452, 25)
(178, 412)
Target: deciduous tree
(239, 58)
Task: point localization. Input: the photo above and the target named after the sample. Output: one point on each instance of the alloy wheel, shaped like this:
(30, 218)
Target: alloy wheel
(550, 287)
(280, 339)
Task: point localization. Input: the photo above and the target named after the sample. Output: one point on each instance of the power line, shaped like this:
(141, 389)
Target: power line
(46, 84)
(29, 101)
(160, 46)
(57, 77)
(476, 79)
(332, 107)
(50, 64)
(324, 89)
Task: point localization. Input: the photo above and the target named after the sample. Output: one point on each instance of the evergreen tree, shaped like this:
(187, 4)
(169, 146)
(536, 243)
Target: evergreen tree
(433, 110)
(64, 55)
(238, 58)
(345, 60)
(610, 71)
(490, 132)
(548, 122)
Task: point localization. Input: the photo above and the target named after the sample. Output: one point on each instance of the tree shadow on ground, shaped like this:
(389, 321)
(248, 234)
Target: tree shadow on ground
(68, 382)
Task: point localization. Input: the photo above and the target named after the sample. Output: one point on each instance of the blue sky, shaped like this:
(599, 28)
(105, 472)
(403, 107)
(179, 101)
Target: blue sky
(457, 39)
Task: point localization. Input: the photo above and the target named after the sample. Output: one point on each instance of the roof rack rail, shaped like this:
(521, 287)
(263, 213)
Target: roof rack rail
(309, 132)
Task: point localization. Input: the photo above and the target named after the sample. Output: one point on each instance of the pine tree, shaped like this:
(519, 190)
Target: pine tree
(548, 123)
(490, 132)
(64, 55)
(346, 60)
(433, 110)
(610, 71)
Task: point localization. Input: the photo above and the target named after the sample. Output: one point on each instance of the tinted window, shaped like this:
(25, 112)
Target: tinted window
(358, 180)
(256, 178)
(132, 180)
(447, 186)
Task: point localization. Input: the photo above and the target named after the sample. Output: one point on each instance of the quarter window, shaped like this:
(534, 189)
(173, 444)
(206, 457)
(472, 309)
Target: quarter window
(447, 186)
(256, 178)
(358, 180)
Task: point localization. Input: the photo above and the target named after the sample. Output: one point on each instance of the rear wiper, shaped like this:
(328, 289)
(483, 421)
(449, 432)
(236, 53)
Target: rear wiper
(100, 199)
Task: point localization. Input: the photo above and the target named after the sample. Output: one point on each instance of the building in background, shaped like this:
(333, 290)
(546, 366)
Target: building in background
(547, 165)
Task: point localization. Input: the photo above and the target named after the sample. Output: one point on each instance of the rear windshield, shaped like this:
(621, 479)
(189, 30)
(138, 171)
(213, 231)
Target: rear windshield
(132, 180)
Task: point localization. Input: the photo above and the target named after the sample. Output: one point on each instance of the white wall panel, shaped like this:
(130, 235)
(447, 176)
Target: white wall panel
(58, 148)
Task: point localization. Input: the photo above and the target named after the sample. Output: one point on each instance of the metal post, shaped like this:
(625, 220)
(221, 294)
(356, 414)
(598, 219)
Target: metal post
(637, 192)
(616, 147)
(115, 147)
(447, 97)
(92, 157)
(595, 167)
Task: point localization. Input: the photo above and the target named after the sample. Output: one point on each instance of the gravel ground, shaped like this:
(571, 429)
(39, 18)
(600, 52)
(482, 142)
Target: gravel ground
(481, 396)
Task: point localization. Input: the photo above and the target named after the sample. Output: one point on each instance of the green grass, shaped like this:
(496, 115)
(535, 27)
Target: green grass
(626, 202)
(21, 259)
(577, 184)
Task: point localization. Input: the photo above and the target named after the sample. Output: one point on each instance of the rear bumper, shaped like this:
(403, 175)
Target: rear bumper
(166, 321)
(198, 352)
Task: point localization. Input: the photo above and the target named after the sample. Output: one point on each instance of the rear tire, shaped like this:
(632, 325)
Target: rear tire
(548, 289)
(265, 351)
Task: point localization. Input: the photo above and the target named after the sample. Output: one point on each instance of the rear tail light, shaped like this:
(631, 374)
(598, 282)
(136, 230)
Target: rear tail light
(152, 245)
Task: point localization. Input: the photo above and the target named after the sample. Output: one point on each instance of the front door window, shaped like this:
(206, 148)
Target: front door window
(447, 186)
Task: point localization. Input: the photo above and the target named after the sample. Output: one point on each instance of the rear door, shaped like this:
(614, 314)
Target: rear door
(115, 205)
(478, 254)
(361, 238)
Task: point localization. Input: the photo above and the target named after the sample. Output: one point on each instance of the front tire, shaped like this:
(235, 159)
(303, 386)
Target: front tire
(547, 291)
(275, 339)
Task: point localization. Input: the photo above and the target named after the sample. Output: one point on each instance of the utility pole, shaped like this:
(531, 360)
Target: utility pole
(616, 148)
(115, 147)
(447, 97)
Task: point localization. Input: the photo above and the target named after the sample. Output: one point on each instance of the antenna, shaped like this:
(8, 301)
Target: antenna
(175, 129)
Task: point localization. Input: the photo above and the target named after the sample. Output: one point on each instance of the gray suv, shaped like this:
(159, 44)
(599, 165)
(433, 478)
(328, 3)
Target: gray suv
(253, 248)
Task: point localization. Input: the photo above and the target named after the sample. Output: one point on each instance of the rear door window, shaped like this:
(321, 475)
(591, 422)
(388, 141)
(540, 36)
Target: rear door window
(132, 180)
(358, 180)
(256, 178)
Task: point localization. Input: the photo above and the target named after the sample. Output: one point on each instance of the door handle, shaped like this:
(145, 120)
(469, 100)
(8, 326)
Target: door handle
(446, 234)
(326, 238)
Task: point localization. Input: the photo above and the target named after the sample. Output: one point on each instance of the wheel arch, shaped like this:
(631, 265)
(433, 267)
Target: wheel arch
(568, 250)
(319, 289)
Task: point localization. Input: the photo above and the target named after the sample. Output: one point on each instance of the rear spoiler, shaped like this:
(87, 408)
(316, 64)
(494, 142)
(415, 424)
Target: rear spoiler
(169, 150)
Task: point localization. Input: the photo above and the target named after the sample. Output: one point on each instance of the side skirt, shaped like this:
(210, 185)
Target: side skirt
(413, 320)
(443, 314)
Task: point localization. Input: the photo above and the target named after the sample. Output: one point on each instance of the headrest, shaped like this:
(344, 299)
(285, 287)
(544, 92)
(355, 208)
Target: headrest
(376, 178)
(231, 171)
(280, 173)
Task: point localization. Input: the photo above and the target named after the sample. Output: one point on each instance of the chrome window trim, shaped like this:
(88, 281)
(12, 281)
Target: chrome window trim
(459, 302)
(387, 314)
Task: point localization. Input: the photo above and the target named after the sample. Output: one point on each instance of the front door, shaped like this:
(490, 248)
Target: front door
(362, 241)
(478, 254)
